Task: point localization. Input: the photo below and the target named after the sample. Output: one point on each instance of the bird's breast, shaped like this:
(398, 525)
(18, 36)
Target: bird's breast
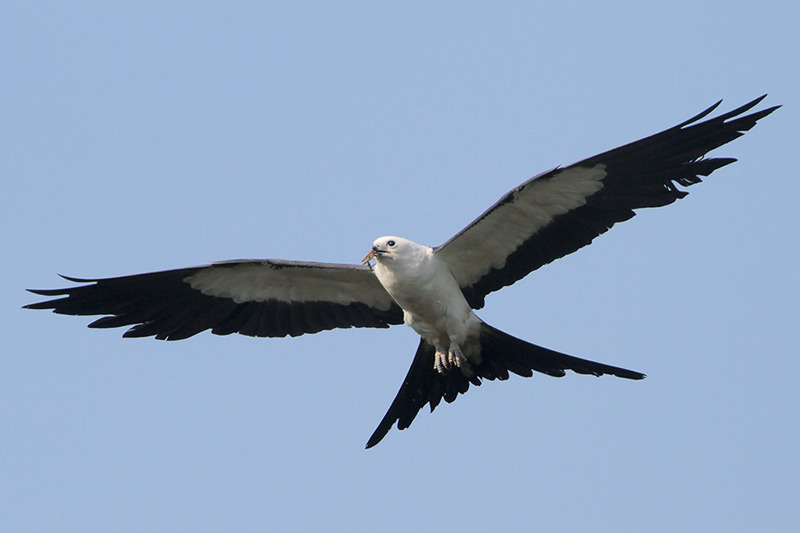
(428, 293)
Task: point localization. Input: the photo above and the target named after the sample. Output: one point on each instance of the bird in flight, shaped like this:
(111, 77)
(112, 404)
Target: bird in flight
(433, 290)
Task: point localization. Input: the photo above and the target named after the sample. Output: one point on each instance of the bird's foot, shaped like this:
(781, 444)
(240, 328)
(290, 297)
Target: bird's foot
(443, 361)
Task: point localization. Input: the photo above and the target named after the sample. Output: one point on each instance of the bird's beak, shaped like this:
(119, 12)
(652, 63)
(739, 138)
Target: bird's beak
(373, 254)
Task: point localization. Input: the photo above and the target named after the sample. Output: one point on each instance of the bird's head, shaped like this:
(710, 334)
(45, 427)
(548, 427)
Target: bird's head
(390, 248)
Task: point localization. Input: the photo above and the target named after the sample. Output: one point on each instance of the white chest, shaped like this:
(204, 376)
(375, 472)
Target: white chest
(426, 290)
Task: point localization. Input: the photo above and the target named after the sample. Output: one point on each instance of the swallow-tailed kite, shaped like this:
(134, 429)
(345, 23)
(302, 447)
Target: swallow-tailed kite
(432, 290)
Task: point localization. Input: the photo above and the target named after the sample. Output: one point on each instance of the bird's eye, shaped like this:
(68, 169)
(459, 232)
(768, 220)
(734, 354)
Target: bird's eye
(391, 243)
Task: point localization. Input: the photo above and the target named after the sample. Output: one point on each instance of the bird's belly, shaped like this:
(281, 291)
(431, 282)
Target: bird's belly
(438, 312)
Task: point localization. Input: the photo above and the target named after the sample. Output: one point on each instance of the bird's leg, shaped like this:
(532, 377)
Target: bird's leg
(453, 357)
(458, 359)
(440, 361)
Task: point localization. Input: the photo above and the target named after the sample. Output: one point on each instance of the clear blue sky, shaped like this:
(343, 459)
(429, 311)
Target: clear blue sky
(141, 136)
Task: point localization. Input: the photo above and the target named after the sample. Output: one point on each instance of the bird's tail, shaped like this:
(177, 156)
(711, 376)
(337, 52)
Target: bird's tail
(501, 353)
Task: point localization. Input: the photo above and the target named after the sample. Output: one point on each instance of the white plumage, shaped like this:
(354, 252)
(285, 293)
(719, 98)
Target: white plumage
(422, 283)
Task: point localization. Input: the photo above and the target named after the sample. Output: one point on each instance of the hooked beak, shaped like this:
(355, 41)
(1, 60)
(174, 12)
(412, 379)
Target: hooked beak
(373, 254)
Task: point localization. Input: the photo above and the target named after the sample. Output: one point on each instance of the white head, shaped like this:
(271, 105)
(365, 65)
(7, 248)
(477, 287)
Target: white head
(390, 248)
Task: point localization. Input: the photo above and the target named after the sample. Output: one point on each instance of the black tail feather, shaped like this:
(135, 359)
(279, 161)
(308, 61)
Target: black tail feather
(522, 357)
(501, 353)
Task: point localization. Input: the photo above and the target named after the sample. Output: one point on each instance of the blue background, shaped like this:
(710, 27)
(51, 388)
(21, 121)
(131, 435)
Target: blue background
(141, 136)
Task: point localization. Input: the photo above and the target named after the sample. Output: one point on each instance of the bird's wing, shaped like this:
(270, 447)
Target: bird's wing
(501, 354)
(262, 298)
(557, 212)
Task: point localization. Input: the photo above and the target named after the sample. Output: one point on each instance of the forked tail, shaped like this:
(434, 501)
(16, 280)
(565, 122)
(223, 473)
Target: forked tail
(501, 353)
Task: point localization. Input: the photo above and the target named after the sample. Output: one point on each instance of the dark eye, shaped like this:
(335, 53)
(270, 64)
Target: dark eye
(391, 243)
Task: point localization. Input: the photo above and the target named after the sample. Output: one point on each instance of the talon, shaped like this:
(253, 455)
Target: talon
(446, 360)
(455, 355)
(458, 359)
(440, 362)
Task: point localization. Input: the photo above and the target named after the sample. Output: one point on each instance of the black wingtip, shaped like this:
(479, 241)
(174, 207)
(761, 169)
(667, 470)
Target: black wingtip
(741, 109)
(53, 292)
(77, 280)
(730, 114)
(700, 115)
(632, 374)
(47, 304)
